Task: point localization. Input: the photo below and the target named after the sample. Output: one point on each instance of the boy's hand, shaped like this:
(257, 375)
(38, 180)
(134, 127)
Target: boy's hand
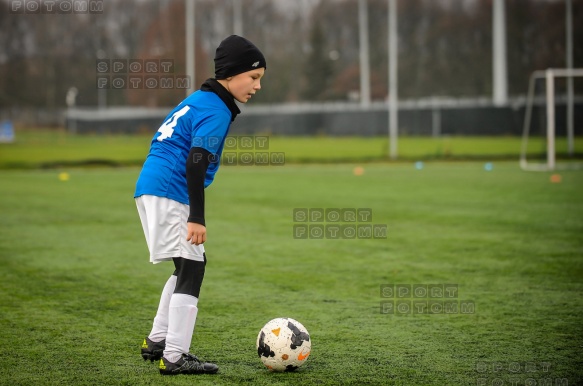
(196, 233)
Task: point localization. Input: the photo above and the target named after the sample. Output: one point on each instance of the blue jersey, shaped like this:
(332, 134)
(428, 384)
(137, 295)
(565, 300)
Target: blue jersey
(201, 120)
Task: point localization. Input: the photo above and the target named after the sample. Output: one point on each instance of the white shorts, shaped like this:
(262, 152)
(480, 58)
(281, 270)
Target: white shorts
(165, 227)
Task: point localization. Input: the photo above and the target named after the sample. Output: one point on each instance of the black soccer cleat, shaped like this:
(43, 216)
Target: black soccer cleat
(187, 364)
(153, 350)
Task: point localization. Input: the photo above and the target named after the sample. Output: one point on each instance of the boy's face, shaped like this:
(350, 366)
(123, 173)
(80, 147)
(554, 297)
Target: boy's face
(246, 84)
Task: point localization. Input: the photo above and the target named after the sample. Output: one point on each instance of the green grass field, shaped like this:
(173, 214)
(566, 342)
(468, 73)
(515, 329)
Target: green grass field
(78, 293)
(51, 148)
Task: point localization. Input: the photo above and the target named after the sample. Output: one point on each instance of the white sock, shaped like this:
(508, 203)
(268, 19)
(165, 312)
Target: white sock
(181, 319)
(160, 325)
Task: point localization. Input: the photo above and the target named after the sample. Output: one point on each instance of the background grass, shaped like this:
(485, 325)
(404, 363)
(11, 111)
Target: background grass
(54, 148)
(78, 294)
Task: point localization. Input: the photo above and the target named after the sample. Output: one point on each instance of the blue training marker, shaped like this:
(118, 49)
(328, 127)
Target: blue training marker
(488, 166)
(419, 165)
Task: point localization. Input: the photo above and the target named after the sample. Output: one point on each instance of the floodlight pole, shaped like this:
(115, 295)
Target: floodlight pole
(569, 49)
(500, 77)
(550, 89)
(364, 53)
(393, 98)
(238, 17)
(190, 42)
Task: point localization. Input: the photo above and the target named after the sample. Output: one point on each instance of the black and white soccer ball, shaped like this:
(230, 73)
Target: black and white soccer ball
(283, 344)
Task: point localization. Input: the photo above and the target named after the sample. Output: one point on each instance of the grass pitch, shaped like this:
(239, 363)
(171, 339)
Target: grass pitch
(78, 293)
(56, 148)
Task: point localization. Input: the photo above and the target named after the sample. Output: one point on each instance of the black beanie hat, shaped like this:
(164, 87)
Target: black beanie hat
(236, 55)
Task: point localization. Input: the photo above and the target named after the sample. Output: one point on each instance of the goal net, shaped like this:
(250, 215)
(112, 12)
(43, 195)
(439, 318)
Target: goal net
(549, 102)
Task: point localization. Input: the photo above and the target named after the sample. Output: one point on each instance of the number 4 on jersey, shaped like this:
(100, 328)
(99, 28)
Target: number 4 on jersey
(167, 127)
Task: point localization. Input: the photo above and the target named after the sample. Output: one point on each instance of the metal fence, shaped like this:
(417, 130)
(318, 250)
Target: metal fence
(427, 117)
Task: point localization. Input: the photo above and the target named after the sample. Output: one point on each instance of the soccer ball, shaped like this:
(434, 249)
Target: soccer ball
(283, 344)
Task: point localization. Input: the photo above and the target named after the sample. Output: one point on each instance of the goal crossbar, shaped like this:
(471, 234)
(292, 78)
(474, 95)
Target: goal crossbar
(549, 76)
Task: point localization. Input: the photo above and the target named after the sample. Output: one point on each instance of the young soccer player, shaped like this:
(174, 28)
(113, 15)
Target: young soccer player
(183, 159)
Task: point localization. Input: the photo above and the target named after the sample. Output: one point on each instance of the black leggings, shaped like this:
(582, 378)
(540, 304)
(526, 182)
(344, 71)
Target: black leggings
(189, 275)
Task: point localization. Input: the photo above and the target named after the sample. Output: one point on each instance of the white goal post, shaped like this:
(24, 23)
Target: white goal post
(549, 76)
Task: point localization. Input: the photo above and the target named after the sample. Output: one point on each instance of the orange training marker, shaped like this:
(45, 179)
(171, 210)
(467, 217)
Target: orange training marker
(358, 171)
(556, 178)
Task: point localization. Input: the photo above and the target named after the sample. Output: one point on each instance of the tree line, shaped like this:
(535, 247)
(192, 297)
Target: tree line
(312, 47)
